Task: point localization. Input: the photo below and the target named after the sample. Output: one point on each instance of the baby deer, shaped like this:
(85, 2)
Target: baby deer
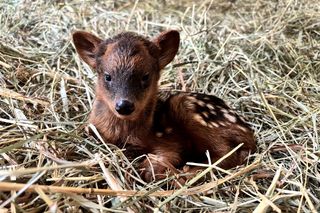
(130, 112)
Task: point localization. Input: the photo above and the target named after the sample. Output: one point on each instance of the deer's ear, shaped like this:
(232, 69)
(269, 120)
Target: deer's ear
(87, 46)
(168, 43)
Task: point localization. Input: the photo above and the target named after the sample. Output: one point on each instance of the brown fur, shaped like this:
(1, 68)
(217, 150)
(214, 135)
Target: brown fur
(174, 127)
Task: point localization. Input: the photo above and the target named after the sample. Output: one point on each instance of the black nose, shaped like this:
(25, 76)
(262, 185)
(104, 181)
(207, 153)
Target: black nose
(124, 107)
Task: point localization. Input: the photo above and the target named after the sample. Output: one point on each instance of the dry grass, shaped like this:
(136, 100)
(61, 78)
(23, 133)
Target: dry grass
(263, 57)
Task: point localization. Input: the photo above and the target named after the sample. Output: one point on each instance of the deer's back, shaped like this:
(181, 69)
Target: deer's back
(195, 123)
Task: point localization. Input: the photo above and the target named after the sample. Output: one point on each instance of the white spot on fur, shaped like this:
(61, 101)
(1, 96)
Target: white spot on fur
(168, 130)
(200, 103)
(213, 112)
(224, 111)
(203, 123)
(221, 123)
(214, 124)
(210, 106)
(242, 128)
(199, 119)
(205, 114)
(159, 134)
(189, 105)
(191, 98)
(230, 118)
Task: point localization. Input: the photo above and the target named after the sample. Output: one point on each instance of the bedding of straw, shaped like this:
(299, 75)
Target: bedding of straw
(262, 57)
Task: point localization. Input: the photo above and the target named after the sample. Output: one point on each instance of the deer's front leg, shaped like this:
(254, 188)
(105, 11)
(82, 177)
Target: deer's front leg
(159, 164)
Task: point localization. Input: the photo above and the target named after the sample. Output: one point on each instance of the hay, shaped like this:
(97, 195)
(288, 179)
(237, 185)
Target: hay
(263, 57)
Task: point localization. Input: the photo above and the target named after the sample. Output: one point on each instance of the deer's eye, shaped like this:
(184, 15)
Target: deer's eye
(145, 78)
(107, 77)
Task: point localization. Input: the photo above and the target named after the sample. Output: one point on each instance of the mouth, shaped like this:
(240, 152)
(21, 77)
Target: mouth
(131, 117)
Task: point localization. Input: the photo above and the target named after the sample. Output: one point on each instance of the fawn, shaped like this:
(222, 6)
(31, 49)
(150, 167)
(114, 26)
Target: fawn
(130, 112)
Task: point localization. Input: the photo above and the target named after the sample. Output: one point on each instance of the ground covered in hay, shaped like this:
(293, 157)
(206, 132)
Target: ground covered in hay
(262, 57)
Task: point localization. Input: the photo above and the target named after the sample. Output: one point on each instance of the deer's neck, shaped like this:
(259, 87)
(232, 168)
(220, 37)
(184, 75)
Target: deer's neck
(116, 130)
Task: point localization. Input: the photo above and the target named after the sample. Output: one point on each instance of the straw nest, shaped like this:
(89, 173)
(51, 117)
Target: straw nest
(262, 57)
